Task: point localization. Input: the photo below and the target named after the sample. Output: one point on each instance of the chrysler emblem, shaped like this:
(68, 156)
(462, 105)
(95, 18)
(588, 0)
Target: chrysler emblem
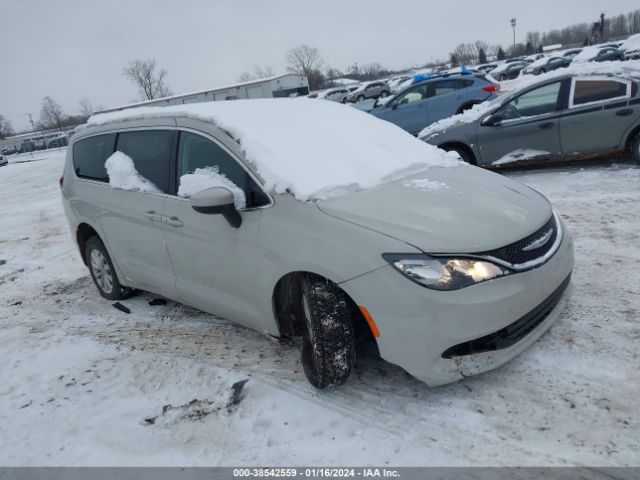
(539, 242)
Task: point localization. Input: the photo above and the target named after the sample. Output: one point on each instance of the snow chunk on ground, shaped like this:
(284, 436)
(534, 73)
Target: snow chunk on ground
(425, 184)
(520, 154)
(306, 147)
(203, 178)
(123, 174)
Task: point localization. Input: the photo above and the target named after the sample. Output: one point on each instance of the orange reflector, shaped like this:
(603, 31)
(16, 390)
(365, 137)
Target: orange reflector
(369, 319)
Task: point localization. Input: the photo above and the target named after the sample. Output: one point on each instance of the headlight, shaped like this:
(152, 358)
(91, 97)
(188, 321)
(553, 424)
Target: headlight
(444, 273)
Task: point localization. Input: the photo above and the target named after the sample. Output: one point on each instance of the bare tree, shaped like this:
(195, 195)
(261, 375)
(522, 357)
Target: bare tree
(306, 60)
(371, 71)
(258, 72)
(6, 130)
(51, 114)
(86, 109)
(463, 54)
(150, 79)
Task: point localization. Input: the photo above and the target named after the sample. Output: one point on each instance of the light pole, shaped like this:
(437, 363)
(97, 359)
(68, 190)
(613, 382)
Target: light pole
(513, 25)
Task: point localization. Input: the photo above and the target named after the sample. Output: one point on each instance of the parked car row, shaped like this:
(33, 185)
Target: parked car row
(53, 140)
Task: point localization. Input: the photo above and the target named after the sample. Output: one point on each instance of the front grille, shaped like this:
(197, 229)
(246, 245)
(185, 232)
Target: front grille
(514, 253)
(513, 333)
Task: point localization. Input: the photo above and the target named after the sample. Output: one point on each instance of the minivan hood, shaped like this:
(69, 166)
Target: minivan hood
(446, 210)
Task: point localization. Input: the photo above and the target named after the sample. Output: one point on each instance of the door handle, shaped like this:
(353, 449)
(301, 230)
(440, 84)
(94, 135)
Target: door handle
(625, 112)
(152, 215)
(174, 221)
(545, 125)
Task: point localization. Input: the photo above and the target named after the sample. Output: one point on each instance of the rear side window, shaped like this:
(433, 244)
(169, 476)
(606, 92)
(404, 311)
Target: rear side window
(150, 151)
(89, 155)
(445, 86)
(587, 91)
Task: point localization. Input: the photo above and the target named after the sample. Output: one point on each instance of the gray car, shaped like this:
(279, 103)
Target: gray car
(451, 270)
(430, 100)
(566, 117)
(546, 64)
(368, 90)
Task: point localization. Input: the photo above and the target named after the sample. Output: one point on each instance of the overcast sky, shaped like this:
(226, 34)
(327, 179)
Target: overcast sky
(70, 49)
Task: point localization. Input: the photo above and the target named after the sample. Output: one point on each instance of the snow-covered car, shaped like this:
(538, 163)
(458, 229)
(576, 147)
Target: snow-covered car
(242, 209)
(631, 47)
(338, 94)
(546, 64)
(599, 54)
(508, 71)
(563, 116)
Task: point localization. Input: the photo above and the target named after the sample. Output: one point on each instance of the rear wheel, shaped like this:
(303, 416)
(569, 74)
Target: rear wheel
(102, 271)
(328, 342)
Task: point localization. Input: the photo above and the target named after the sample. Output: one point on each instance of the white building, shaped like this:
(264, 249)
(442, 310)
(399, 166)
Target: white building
(288, 85)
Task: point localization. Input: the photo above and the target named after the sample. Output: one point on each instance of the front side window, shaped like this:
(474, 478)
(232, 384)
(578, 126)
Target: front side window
(150, 151)
(89, 155)
(591, 90)
(196, 151)
(538, 101)
(410, 96)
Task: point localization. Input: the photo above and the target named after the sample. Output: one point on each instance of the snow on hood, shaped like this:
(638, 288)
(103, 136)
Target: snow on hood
(629, 69)
(540, 62)
(587, 53)
(315, 150)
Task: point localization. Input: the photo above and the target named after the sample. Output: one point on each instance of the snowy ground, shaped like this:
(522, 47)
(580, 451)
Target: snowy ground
(78, 378)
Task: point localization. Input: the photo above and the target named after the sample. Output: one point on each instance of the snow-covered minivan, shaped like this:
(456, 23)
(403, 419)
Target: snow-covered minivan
(310, 219)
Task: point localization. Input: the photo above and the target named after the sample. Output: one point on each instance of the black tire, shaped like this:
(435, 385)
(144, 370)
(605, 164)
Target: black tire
(360, 98)
(328, 341)
(635, 148)
(383, 94)
(542, 70)
(102, 272)
(464, 154)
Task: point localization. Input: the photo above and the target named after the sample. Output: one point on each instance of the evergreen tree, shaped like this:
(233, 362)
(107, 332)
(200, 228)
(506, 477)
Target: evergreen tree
(482, 56)
(501, 55)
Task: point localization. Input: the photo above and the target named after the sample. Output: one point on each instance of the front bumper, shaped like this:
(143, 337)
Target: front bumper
(418, 325)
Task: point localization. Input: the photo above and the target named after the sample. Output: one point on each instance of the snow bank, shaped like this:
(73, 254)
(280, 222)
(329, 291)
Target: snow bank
(306, 147)
(628, 69)
(123, 174)
(203, 178)
(520, 154)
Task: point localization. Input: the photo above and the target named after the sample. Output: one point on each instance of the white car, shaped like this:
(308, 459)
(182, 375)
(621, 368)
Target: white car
(313, 220)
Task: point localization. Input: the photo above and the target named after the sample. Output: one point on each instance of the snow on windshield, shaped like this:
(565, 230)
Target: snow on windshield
(312, 149)
(123, 174)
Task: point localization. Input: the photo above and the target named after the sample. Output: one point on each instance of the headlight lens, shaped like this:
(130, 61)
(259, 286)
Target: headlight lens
(445, 273)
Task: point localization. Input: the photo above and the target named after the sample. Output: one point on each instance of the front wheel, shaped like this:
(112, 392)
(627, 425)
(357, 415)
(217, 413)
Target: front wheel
(360, 98)
(328, 343)
(384, 94)
(102, 271)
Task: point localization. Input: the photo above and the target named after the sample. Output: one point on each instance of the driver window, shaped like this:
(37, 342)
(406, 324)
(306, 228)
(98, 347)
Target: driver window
(535, 102)
(411, 96)
(195, 151)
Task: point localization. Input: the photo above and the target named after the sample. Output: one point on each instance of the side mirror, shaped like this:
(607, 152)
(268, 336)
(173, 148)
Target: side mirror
(217, 200)
(492, 120)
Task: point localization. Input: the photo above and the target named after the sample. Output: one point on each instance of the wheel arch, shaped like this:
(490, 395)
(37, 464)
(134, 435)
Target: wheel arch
(287, 313)
(449, 145)
(467, 104)
(629, 138)
(84, 232)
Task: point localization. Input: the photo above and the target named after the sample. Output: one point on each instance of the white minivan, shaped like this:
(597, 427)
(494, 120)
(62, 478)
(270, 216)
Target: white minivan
(303, 218)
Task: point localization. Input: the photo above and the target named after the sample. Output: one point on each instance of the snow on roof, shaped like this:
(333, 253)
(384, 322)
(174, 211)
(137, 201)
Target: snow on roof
(315, 150)
(631, 43)
(587, 54)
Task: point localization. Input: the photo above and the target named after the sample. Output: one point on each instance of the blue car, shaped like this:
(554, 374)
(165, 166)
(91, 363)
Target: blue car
(435, 98)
